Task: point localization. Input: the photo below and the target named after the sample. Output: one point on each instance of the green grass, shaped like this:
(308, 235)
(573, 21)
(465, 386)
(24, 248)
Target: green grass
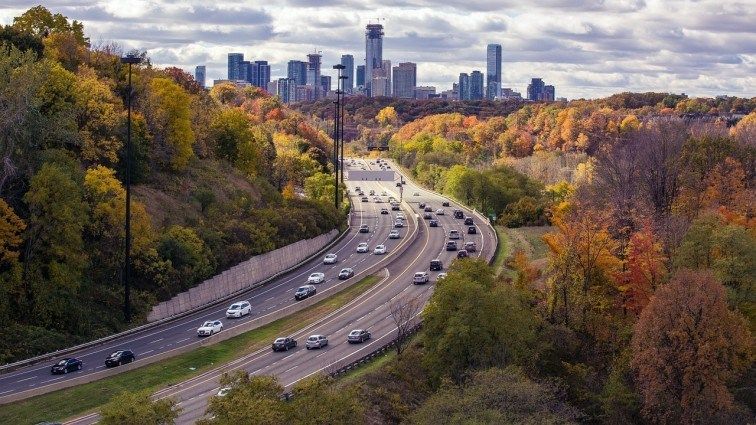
(533, 236)
(504, 249)
(85, 398)
(356, 374)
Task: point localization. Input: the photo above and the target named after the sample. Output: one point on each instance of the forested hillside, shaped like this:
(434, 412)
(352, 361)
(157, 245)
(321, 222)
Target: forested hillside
(217, 177)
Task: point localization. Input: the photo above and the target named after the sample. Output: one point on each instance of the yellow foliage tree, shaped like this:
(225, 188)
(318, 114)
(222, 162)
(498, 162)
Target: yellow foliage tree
(170, 120)
(11, 229)
(387, 116)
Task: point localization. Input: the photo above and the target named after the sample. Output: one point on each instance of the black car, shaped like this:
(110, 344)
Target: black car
(451, 246)
(468, 221)
(364, 228)
(436, 265)
(462, 253)
(422, 205)
(427, 216)
(120, 357)
(66, 365)
(428, 208)
(384, 211)
(472, 230)
(284, 344)
(445, 204)
(433, 223)
(304, 292)
(459, 214)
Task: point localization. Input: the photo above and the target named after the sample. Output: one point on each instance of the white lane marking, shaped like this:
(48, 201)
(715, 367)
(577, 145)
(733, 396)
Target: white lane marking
(157, 340)
(25, 379)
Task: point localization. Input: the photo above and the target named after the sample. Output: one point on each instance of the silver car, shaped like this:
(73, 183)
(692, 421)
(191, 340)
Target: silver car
(316, 341)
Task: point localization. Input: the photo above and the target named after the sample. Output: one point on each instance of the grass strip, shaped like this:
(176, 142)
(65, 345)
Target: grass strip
(503, 251)
(75, 401)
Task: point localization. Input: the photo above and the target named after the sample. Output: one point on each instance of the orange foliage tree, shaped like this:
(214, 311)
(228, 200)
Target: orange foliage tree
(644, 270)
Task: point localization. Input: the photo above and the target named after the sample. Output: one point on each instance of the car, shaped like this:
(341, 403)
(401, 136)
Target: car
(394, 207)
(392, 200)
(330, 259)
(66, 365)
(451, 246)
(420, 277)
(209, 328)
(436, 265)
(468, 221)
(470, 246)
(377, 200)
(384, 211)
(427, 216)
(398, 223)
(388, 167)
(459, 214)
(472, 230)
(462, 253)
(364, 228)
(441, 276)
(398, 184)
(119, 357)
(346, 273)
(421, 205)
(284, 344)
(223, 392)
(416, 194)
(394, 234)
(433, 223)
(304, 292)
(238, 309)
(384, 193)
(316, 341)
(400, 215)
(358, 336)
(428, 208)
(364, 199)
(316, 277)
(445, 203)
(379, 250)
(362, 247)
(357, 188)
(372, 192)
(453, 234)
(440, 211)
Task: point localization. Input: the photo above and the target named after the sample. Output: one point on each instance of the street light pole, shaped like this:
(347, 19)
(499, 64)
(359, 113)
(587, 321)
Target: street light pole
(336, 127)
(129, 59)
(342, 79)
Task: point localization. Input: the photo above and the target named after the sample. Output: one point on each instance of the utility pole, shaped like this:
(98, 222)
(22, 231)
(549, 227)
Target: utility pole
(342, 79)
(336, 127)
(129, 59)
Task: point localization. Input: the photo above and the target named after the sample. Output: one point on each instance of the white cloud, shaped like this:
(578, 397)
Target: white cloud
(586, 48)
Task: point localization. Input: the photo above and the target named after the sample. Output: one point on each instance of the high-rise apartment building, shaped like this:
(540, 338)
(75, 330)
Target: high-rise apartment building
(360, 76)
(200, 75)
(424, 92)
(245, 72)
(325, 84)
(549, 93)
(373, 51)
(297, 71)
(261, 76)
(493, 71)
(405, 80)
(476, 85)
(313, 72)
(234, 65)
(287, 90)
(348, 62)
(537, 89)
(464, 86)
(381, 83)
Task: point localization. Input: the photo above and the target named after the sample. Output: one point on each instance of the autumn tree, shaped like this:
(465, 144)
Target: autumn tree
(170, 124)
(41, 22)
(387, 116)
(644, 270)
(139, 409)
(405, 314)
(251, 399)
(318, 400)
(98, 118)
(687, 346)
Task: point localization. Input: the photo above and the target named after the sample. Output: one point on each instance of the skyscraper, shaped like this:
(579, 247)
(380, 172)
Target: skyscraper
(287, 90)
(297, 71)
(325, 84)
(464, 86)
(313, 72)
(262, 77)
(373, 51)
(535, 89)
(549, 93)
(234, 64)
(200, 75)
(405, 80)
(348, 62)
(245, 71)
(381, 83)
(476, 85)
(493, 70)
(360, 77)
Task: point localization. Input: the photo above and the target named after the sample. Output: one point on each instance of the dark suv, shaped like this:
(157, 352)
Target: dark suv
(118, 358)
(468, 221)
(65, 366)
(451, 246)
(459, 214)
(284, 344)
(436, 265)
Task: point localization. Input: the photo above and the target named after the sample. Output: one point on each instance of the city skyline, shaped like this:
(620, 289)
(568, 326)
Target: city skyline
(585, 49)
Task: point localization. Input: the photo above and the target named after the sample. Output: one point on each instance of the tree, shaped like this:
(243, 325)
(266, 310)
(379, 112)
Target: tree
(250, 400)
(11, 229)
(687, 346)
(387, 116)
(98, 118)
(40, 22)
(188, 254)
(318, 401)
(644, 270)
(169, 119)
(404, 313)
(139, 408)
(230, 128)
(320, 187)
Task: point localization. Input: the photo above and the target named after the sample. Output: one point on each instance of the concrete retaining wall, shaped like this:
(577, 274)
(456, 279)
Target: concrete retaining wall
(241, 277)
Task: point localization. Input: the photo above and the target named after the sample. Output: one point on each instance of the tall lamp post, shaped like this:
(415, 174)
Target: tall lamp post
(129, 59)
(342, 112)
(336, 127)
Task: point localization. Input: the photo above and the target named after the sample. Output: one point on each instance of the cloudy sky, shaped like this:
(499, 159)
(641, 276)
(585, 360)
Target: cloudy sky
(586, 48)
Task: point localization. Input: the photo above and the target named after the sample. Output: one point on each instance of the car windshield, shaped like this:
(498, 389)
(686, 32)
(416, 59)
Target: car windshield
(302, 289)
(208, 324)
(280, 340)
(312, 338)
(235, 307)
(419, 274)
(63, 362)
(116, 354)
(357, 332)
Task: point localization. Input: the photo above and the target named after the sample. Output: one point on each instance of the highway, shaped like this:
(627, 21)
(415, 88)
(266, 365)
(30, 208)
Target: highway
(369, 311)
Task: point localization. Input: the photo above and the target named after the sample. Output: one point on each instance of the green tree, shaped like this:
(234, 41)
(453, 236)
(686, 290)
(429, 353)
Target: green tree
(98, 118)
(139, 409)
(320, 187)
(40, 22)
(318, 401)
(230, 129)
(251, 400)
(188, 254)
(169, 120)
(474, 321)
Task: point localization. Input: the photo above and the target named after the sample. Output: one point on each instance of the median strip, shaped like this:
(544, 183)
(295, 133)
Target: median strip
(78, 400)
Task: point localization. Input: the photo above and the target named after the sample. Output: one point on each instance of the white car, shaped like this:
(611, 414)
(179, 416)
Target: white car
(379, 249)
(384, 193)
(420, 277)
(223, 391)
(400, 216)
(399, 223)
(239, 309)
(210, 327)
(453, 234)
(316, 341)
(441, 276)
(394, 234)
(330, 259)
(440, 211)
(362, 247)
(316, 277)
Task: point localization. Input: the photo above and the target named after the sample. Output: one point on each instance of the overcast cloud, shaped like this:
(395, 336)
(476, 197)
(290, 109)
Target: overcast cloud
(586, 48)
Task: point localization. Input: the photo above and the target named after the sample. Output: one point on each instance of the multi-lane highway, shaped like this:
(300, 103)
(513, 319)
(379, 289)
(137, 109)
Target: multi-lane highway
(370, 310)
